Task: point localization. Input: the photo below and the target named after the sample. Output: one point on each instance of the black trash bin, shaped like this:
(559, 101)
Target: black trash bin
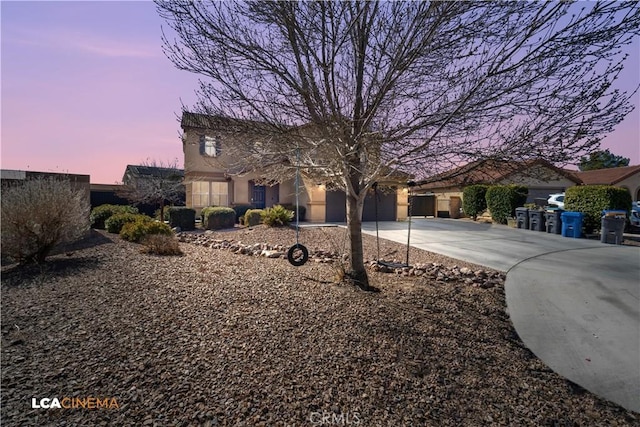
(612, 230)
(522, 218)
(554, 221)
(536, 220)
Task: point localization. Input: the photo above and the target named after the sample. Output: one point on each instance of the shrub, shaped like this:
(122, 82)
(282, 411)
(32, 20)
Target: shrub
(302, 211)
(101, 213)
(156, 214)
(591, 200)
(135, 231)
(40, 213)
(277, 216)
(204, 212)
(160, 244)
(502, 201)
(219, 217)
(115, 222)
(253, 217)
(474, 200)
(182, 217)
(240, 211)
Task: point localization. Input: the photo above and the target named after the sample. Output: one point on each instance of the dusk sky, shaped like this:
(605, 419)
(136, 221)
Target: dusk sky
(87, 89)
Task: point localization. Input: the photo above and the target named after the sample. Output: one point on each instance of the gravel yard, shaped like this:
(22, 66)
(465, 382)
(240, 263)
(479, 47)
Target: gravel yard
(218, 338)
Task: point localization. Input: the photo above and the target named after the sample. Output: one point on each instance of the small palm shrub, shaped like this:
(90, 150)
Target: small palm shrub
(302, 211)
(115, 222)
(160, 244)
(101, 213)
(253, 217)
(137, 230)
(277, 216)
(39, 214)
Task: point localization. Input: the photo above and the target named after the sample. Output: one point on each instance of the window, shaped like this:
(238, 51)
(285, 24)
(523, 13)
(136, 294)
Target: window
(210, 146)
(204, 193)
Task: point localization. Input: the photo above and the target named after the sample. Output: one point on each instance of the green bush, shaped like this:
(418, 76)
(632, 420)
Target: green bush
(182, 217)
(474, 200)
(219, 217)
(277, 216)
(591, 200)
(502, 201)
(115, 222)
(135, 231)
(204, 212)
(240, 211)
(101, 213)
(302, 211)
(253, 217)
(156, 214)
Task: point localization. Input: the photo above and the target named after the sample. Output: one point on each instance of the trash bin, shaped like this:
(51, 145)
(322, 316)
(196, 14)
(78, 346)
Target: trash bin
(553, 221)
(612, 230)
(536, 220)
(571, 224)
(522, 218)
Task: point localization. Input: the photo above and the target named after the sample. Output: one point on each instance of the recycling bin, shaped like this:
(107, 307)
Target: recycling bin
(522, 218)
(553, 221)
(536, 220)
(612, 227)
(571, 224)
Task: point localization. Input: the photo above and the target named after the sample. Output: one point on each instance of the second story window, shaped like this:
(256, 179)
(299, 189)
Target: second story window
(210, 146)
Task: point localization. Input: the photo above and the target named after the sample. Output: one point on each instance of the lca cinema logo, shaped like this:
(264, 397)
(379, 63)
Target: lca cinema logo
(75, 403)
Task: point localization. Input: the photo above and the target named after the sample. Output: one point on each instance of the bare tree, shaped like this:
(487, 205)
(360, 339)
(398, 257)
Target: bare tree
(154, 182)
(365, 89)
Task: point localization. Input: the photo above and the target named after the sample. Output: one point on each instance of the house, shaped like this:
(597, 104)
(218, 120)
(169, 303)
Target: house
(145, 185)
(107, 194)
(441, 195)
(627, 177)
(210, 179)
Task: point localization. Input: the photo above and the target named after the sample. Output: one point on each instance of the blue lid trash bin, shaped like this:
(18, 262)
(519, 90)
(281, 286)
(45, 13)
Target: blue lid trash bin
(571, 224)
(612, 230)
(522, 218)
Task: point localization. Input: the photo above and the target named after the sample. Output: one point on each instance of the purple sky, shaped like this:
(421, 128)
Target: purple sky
(86, 89)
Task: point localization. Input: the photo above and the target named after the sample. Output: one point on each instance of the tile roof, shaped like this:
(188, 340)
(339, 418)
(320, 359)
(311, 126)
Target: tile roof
(488, 171)
(610, 176)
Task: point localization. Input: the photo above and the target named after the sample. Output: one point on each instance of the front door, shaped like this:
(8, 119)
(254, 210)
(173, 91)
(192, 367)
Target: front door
(258, 197)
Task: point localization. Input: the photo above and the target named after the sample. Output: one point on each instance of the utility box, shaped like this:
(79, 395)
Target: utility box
(571, 224)
(536, 220)
(553, 221)
(522, 218)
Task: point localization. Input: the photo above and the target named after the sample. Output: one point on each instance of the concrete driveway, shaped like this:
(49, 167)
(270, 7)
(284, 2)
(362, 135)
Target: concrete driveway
(574, 302)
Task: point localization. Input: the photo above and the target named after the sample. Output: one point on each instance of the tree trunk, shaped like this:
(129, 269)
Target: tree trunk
(357, 271)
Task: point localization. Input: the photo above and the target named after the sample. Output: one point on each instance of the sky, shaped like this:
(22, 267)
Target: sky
(87, 89)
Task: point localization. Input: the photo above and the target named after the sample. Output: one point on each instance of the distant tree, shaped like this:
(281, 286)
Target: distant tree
(402, 86)
(602, 160)
(162, 183)
(39, 214)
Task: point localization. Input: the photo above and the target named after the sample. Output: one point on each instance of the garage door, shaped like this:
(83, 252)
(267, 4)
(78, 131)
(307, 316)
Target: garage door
(336, 210)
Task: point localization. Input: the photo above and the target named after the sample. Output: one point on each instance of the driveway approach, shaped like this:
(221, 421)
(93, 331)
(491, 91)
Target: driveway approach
(574, 302)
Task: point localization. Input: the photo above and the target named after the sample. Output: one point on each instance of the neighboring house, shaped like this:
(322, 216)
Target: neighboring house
(107, 194)
(627, 177)
(210, 181)
(81, 182)
(143, 183)
(441, 195)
